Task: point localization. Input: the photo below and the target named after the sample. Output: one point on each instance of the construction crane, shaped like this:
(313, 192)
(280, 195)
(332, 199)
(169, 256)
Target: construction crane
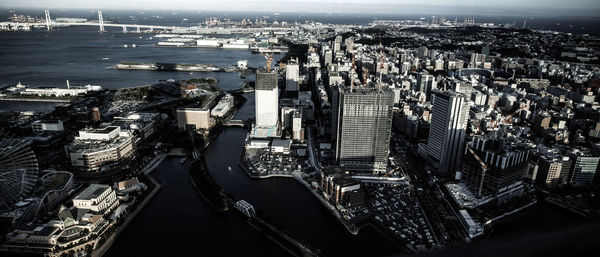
(365, 75)
(390, 173)
(269, 61)
(476, 157)
(509, 117)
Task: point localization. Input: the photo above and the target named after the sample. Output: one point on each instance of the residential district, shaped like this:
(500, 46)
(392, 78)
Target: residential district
(432, 132)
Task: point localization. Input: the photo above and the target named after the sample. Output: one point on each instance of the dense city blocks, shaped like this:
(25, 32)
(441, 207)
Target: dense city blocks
(242, 128)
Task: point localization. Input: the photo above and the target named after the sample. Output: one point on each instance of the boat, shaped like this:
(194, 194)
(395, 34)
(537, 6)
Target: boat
(134, 46)
(105, 58)
(182, 160)
(229, 169)
(125, 45)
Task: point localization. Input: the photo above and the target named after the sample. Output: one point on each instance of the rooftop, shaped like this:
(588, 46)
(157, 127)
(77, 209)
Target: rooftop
(91, 192)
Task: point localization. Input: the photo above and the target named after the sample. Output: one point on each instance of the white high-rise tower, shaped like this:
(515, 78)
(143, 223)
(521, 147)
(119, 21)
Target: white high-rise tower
(267, 104)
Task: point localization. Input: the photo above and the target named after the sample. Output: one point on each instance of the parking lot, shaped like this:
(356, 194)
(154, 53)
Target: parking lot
(396, 209)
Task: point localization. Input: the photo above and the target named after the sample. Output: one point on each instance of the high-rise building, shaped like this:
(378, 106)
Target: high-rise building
(424, 82)
(292, 75)
(349, 45)
(494, 167)
(267, 104)
(447, 131)
(363, 125)
(337, 44)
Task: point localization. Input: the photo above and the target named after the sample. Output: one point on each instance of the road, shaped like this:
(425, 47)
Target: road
(448, 229)
(311, 150)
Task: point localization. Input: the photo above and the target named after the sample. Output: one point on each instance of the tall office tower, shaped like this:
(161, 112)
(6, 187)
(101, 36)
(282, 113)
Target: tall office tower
(495, 166)
(337, 44)
(349, 45)
(424, 82)
(292, 74)
(267, 104)
(447, 130)
(328, 57)
(364, 121)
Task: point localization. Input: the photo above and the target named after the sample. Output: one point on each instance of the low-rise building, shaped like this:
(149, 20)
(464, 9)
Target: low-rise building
(99, 149)
(97, 198)
(41, 126)
(198, 118)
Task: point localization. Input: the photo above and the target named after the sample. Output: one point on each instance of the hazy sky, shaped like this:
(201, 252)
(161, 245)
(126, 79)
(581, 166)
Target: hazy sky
(503, 7)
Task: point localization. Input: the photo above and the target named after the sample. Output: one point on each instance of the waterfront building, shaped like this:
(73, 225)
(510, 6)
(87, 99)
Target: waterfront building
(60, 92)
(141, 124)
(341, 189)
(96, 198)
(18, 170)
(583, 167)
(363, 125)
(96, 150)
(267, 104)
(197, 118)
(495, 167)
(447, 130)
(41, 126)
(68, 228)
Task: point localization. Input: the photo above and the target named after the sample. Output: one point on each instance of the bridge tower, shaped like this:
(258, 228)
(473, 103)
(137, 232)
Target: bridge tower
(138, 29)
(101, 21)
(48, 21)
(124, 29)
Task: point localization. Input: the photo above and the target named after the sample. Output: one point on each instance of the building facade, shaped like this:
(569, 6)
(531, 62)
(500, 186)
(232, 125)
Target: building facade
(363, 128)
(447, 131)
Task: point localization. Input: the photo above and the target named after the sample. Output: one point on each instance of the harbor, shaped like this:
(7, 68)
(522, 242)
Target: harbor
(184, 67)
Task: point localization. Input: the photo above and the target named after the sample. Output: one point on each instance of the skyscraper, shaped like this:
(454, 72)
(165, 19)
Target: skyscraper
(291, 76)
(364, 121)
(267, 104)
(495, 166)
(447, 131)
(424, 82)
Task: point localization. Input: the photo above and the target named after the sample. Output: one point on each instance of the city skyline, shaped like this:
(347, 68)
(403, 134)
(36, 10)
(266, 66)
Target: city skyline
(272, 134)
(456, 7)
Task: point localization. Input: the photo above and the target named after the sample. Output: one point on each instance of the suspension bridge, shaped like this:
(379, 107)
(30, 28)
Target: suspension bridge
(49, 24)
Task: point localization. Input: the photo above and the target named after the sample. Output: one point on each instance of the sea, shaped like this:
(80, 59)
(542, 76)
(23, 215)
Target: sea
(177, 222)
